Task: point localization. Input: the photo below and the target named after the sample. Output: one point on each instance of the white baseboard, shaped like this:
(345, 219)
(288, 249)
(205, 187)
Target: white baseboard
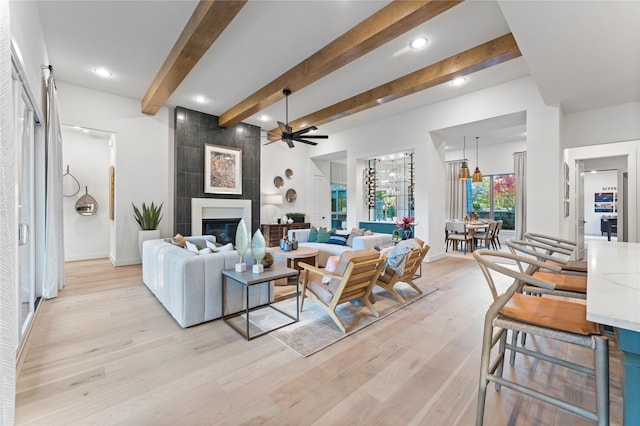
(435, 257)
(77, 257)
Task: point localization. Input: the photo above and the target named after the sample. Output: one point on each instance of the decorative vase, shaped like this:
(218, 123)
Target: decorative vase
(242, 245)
(151, 234)
(258, 250)
(406, 234)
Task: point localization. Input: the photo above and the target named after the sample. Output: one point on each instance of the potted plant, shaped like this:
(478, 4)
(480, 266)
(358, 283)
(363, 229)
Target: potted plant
(148, 218)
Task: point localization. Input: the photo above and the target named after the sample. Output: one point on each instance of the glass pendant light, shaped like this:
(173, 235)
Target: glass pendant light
(477, 175)
(464, 170)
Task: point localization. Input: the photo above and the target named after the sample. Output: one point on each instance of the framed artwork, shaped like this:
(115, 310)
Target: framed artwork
(222, 170)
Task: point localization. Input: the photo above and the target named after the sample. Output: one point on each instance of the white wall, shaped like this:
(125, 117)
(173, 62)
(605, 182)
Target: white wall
(597, 182)
(493, 159)
(613, 124)
(275, 159)
(142, 158)
(88, 158)
(412, 130)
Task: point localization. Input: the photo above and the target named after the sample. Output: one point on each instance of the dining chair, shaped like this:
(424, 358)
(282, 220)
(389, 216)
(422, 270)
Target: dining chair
(567, 265)
(488, 236)
(567, 283)
(457, 232)
(496, 237)
(354, 278)
(550, 318)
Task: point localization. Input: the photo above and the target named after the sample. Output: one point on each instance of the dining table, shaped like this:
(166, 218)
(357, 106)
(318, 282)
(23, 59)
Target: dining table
(474, 226)
(613, 298)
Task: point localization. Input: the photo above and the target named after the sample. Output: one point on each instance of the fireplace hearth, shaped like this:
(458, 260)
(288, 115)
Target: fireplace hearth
(223, 229)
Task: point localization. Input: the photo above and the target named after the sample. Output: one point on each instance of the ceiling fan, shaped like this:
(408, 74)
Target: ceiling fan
(287, 135)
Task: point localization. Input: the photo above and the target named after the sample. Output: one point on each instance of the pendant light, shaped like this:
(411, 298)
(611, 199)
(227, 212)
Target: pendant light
(464, 170)
(477, 175)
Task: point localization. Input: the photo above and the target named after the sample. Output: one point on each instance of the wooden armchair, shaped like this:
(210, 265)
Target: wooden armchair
(389, 277)
(354, 279)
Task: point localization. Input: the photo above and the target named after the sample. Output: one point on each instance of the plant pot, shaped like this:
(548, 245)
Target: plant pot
(152, 234)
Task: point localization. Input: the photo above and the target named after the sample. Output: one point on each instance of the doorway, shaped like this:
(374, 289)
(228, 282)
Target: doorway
(87, 155)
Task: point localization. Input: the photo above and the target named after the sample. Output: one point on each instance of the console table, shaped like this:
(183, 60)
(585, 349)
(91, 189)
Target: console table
(273, 232)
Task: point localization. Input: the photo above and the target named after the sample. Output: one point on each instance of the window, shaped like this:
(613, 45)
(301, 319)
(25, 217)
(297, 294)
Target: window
(338, 205)
(494, 198)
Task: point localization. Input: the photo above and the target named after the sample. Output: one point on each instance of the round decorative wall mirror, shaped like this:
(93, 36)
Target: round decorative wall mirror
(86, 205)
(291, 195)
(288, 173)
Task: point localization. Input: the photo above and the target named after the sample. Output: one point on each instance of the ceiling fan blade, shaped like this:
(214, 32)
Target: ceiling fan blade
(306, 130)
(283, 128)
(270, 142)
(307, 142)
(289, 142)
(315, 136)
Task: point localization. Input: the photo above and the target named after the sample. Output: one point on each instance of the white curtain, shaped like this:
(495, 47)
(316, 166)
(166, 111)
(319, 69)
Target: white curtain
(520, 168)
(454, 191)
(8, 228)
(54, 232)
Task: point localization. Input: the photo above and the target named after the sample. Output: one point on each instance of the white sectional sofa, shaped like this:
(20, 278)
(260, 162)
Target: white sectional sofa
(325, 249)
(189, 285)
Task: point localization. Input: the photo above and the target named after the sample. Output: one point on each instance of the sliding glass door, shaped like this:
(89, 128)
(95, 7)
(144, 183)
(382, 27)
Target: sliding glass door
(25, 144)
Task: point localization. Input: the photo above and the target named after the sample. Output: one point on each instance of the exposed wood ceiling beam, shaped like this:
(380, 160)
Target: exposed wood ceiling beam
(206, 24)
(486, 55)
(385, 25)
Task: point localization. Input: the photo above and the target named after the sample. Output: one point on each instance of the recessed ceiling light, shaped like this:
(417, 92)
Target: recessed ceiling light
(265, 117)
(458, 81)
(418, 43)
(200, 99)
(102, 72)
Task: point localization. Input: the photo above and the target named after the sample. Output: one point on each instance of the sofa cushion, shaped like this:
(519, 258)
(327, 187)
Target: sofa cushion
(355, 232)
(338, 239)
(192, 247)
(179, 240)
(313, 235)
(323, 235)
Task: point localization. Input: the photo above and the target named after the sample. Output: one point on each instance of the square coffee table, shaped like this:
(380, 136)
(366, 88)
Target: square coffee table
(249, 279)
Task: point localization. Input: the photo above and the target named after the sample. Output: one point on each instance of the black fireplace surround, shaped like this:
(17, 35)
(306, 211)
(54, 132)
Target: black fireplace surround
(223, 229)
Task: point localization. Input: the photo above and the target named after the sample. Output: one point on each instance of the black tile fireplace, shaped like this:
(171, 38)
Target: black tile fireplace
(223, 229)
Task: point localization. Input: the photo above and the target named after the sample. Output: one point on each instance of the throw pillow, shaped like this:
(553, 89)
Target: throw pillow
(338, 239)
(192, 247)
(179, 240)
(355, 232)
(323, 235)
(368, 232)
(313, 235)
(332, 265)
(226, 247)
(217, 247)
(205, 250)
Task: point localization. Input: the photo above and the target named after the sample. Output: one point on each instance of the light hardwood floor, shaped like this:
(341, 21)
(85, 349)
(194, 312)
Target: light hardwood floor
(105, 352)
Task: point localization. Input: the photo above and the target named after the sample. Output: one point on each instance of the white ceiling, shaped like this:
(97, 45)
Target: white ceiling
(582, 54)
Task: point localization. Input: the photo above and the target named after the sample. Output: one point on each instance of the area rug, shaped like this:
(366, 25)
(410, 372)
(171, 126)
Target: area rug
(316, 330)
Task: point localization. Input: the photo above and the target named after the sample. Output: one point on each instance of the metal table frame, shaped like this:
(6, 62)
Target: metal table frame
(248, 279)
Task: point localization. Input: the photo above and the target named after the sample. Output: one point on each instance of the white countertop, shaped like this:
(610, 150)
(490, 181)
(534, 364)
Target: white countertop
(613, 284)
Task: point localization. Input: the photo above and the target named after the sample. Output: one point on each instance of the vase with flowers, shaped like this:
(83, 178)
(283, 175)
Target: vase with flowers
(405, 226)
